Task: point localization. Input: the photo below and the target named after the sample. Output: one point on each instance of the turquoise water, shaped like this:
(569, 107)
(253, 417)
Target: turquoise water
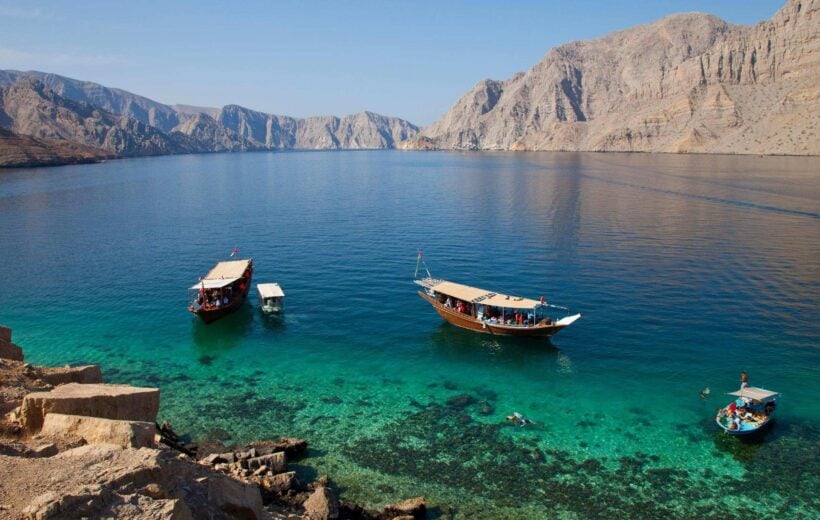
(687, 270)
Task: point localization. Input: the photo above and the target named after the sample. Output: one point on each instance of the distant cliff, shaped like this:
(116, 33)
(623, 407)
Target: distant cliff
(686, 83)
(49, 106)
(29, 108)
(22, 150)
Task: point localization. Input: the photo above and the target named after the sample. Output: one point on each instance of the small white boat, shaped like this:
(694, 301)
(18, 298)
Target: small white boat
(750, 412)
(271, 297)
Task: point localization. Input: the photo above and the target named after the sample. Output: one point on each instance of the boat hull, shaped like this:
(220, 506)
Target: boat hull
(468, 322)
(211, 315)
(744, 431)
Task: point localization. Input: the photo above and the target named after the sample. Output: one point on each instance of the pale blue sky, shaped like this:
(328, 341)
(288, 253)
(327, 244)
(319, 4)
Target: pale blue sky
(408, 59)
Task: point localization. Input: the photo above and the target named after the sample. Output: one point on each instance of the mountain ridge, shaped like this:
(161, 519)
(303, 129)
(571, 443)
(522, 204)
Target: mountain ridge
(46, 105)
(688, 82)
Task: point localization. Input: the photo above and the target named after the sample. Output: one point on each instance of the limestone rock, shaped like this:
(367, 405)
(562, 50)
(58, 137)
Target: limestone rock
(276, 462)
(44, 450)
(120, 402)
(686, 83)
(282, 483)
(5, 334)
(94, 430)
(85, 374)
(292, 446)
(30, 108)
(43, 105)
(11, 351)
(321, 505)
(18, 151)
(104, 481)
(412, 507)
(236, 499)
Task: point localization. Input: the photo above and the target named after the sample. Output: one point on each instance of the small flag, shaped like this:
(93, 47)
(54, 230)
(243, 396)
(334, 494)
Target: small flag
(234, 252)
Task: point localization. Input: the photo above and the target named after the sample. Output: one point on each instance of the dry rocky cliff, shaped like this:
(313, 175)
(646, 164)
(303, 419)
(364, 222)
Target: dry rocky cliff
(686, 83)
(48, 106)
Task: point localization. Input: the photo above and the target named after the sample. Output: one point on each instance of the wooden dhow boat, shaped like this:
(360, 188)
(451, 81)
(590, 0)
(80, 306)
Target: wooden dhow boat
(491, 312)
(223, 290)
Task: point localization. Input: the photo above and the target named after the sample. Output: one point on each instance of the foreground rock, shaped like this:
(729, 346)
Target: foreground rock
(107, 481)
(10, 351)
(93, 430)
(120, 402)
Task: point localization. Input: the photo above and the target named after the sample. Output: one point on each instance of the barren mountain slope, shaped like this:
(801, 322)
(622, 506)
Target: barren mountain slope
(686, 83)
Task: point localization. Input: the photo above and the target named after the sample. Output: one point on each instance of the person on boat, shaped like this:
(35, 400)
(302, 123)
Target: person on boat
(744, 380)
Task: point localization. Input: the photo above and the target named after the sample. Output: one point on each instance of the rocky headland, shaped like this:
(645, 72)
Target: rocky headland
(686, 83)
(72, 446)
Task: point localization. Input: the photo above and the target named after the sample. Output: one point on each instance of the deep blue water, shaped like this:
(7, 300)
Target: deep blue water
(687, 270)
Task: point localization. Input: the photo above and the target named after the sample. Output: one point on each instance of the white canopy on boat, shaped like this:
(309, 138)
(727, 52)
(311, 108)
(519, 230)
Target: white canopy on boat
(483, 296)
(230, 269)
(270, 290)
(752, 392)
(213, 284)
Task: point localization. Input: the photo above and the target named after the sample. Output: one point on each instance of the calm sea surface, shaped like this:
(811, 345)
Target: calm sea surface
(687, 270)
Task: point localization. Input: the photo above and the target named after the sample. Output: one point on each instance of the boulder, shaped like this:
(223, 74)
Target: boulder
(9, 350)
(412, 507)
(290, 445)
(281, 483)
(86, 374)
(234, 498)
(44, 450)
(5, 334)
(93, 430)
(276, 462)
(119, 402)
(321, 505)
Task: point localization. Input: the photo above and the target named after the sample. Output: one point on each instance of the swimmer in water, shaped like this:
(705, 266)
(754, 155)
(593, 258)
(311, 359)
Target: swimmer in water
(705, 393)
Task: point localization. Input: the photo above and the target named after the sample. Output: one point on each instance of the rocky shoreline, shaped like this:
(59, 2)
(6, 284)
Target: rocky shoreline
(72, 446)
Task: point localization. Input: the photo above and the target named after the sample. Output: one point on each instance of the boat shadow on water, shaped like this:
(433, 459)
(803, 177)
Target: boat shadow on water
(224, 334)
(454, 342)
(745, 448)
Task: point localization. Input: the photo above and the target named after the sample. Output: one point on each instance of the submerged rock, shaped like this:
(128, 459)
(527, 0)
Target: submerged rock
(412, 507)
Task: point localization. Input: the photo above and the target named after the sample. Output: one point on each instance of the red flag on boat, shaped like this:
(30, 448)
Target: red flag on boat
(234, 252)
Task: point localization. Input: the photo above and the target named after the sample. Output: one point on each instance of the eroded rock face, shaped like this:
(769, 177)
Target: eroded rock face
(410, 508)
(686, 83)
(85, 374)
(42, 105)
(120, 402)
(321, 505)
(5, 334)
(93, 430)
(106, 481)
(10, 351)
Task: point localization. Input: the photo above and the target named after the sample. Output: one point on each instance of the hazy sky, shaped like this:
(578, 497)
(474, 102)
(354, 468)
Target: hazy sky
(411, 59)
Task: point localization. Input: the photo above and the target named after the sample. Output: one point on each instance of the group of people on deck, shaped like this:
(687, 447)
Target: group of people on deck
(740, 411)
(212, 299)
(494, 315)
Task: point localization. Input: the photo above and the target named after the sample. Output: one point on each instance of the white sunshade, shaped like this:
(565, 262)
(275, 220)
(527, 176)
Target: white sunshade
(483, 296)
(213, 284)
(270, 290)
(758, 394)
